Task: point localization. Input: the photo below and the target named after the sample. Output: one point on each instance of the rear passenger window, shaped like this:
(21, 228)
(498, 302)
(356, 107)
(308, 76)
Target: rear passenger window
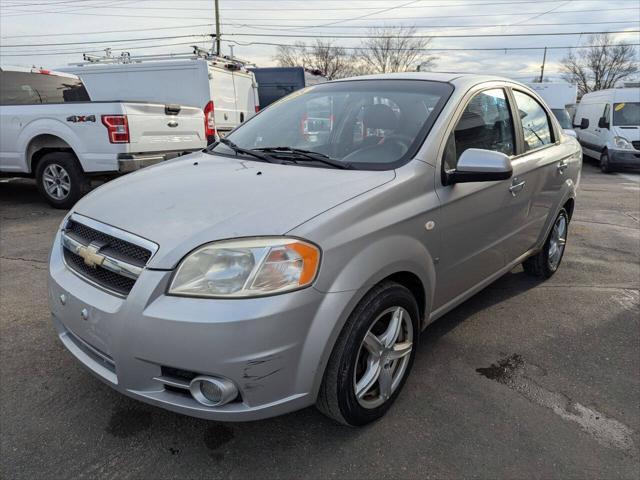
(486, 123)
(22, 88)
(535, 123)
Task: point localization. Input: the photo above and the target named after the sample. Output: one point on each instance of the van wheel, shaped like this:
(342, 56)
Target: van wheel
(546, 262)
(60, 179)
(372, 356)
(605, 166)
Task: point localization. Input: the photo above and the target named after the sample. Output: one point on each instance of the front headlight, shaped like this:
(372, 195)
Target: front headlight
(622, 143)
(246, 268)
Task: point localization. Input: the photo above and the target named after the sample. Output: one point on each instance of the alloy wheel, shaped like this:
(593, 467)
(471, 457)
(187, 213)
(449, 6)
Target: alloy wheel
(383, 357)
(557, 241)
(56, 181)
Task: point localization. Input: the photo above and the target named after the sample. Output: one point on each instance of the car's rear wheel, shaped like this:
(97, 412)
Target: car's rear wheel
(605, 165)
(546, 262)
(372, 356)
(60, 179)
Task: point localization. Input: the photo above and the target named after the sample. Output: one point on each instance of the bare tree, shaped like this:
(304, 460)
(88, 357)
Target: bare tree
(290, 56)
(600, 64)
(395, 50)
(331, 60)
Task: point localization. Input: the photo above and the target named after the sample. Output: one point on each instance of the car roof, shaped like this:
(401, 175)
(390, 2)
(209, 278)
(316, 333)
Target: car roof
(13, 68)
(456, 78)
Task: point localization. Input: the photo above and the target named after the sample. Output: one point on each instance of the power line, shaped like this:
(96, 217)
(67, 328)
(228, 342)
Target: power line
(452, 49)
(488, 25)
(258, 26)
(505, 49)
(231, 9)
(108, 31)
(479, 35)
(106, 41)
(509, 14)
(482, 35)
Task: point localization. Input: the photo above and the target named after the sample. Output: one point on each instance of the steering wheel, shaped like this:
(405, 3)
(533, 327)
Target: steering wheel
(394, 145)
(399, 138)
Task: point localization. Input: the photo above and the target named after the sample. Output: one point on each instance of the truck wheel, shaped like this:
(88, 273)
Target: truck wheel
(60, 179)
(546, 262)
(605, 166)
(372, 356)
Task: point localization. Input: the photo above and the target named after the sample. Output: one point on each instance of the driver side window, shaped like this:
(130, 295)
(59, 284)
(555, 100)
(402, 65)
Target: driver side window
(486, 123)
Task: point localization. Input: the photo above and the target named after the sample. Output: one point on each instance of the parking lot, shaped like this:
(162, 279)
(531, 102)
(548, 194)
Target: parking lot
(528, 379)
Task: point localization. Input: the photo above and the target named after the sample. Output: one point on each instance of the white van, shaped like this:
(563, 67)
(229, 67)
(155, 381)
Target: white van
(225, 90)
(558, 96)
(608, 126)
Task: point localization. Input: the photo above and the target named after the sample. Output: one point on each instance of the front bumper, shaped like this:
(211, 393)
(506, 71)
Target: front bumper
(273, 348)
(624, 158)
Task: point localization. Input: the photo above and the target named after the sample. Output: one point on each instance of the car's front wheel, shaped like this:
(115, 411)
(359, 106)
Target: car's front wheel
(546, 262)
(605, 164)
(372, 356)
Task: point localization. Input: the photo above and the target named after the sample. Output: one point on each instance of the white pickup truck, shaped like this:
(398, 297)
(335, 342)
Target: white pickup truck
(51, 130)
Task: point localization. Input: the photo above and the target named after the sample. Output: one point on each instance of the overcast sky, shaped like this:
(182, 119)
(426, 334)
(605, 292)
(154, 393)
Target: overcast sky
(44, 25)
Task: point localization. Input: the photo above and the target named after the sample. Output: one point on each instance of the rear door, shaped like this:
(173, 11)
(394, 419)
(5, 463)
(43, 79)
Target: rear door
(156, 128)
(245, 95)
(224, 99)
(539, 166)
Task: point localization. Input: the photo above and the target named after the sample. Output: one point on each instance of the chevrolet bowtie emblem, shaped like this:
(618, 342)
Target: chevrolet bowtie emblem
(90, 255)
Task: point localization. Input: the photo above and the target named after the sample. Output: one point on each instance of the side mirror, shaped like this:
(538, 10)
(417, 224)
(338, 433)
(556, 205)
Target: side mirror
(569, 132)
(602, 123)
(478, 165)
(584, 124)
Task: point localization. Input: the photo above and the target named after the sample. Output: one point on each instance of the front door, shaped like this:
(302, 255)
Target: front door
(477, 219)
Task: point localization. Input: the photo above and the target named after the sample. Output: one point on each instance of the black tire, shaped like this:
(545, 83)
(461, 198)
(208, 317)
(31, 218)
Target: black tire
(65, 162)
(337, 398)
(605, 165)
(540, 265)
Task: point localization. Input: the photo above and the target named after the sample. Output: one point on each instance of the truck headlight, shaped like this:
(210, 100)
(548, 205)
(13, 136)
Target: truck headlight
(249, 267)
(622, 143)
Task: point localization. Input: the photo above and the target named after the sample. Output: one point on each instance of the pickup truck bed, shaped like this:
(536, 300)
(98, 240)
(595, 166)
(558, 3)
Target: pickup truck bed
(44, 113)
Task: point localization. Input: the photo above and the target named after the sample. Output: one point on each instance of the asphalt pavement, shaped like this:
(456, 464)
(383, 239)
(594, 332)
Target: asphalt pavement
(526, 380)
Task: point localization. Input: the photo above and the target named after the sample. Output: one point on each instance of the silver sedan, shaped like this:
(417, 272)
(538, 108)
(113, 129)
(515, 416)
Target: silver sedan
(296, 261)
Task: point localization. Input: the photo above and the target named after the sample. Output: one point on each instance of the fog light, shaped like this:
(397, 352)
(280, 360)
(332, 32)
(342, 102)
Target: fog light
(213, 391)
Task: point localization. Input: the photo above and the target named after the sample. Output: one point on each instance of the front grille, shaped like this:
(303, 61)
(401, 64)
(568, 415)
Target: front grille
(636, 144)
(116, 247)
(103, 277)
(123, 259)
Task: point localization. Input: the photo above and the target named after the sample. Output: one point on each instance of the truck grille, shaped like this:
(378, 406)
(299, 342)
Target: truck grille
(103, 258)
(636, 144)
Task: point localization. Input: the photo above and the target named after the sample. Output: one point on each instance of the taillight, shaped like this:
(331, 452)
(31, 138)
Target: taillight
(257, 108)
(118, 128)
(209, 120)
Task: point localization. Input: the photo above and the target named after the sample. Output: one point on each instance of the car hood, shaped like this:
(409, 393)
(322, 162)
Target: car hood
(199, 198)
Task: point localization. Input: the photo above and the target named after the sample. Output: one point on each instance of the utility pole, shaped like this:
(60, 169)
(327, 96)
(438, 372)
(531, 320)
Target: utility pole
(218, 29)
(544, 60)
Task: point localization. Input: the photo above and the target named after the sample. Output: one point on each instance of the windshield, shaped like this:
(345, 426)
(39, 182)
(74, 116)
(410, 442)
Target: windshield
(563, 117)
(366, 124)
(626, 114)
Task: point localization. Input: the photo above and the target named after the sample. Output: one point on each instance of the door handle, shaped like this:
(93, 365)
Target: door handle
(562, 166)
(516, 186)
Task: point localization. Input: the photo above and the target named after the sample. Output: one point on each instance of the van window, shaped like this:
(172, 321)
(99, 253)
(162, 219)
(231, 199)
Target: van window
(626, 114)
(486, 123)
(607, 113)
(21, 88)
(535, 123)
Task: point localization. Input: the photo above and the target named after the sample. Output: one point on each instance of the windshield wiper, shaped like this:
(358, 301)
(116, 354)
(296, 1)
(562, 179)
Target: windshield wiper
(306, 155)
(237, 150)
